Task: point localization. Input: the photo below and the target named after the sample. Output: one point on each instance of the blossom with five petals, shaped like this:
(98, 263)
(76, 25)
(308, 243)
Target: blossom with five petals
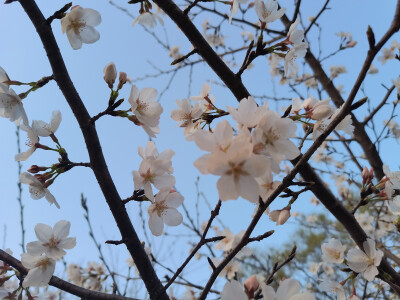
(79, 25)
(41, 268)
(52, 241)
(37, 189)
(367, 261)
(163, 210)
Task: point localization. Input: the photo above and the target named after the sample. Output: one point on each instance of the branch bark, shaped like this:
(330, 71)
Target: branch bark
(97, 161)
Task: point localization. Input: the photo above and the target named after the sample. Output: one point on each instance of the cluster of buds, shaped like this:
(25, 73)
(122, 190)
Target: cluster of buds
(110, 75)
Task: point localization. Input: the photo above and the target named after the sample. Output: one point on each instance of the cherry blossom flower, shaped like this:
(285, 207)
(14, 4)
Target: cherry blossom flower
(294, 35)
(163, 211)
(37, 189)
(394, 205)
(333, 287)
(318, 109)
(44, 129)
(32, 142)
(11, 106)
(186, 115)
(233, 291)
(226, 243)
(148, 19)
(271, 137)
(79, 25)
(206, 99)
(268, 12)
(152, 172)
(336, 70)
(4, 77)
(238, 168)
(41, 268)
(365, 262)
(392, 181)
(247, 114)
(289, 289)
(235, 8)
(298, 51)
(229, 270)
(267, 185)
(396, 83)
(333, 252)
(321, 125)
(151, 153)
(52, 241)
(74, 274)
(146, 110)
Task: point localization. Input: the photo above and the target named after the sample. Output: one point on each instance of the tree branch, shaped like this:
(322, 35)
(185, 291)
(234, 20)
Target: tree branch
(62, 284)
(97, 161)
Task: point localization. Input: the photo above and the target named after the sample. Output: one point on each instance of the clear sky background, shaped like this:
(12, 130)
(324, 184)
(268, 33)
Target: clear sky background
(134, 51)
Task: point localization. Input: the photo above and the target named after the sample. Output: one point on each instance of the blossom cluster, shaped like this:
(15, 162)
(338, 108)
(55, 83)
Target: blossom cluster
(155, 170)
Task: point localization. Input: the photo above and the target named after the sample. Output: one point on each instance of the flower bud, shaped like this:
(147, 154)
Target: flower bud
(35, 169)
(280, 216)
(123, 78)
(250, 286)
(320, 112)
(110, 74)
(367, 175)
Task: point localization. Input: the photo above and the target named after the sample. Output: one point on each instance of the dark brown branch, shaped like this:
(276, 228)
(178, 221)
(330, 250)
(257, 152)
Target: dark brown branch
(61, 284)
(178, 60)
(97, 161)
(260, 237)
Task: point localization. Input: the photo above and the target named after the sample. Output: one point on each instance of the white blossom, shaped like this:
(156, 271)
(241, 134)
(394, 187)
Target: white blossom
(271, 137)
(11, 106)
(333, 287)
(289, 289)
(233, 291)
(367, 261)
(45, 129)
(148, 19)
(41, 268)
(37, 189)
(33, 140)
(146, 109)
(298, 51)
(52, 241)
(268, 12)
(163, 210)
(333, 251)
(110, 74)
(79, 25)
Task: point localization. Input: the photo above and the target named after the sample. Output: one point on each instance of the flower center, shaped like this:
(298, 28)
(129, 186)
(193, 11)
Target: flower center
(77, 26)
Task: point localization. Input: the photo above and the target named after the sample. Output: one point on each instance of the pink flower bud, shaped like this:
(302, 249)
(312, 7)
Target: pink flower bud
(280, 216)
(35, 169)
(351, 44)
(321, 111)
(110, 74)
(123, 78)
(250, 286)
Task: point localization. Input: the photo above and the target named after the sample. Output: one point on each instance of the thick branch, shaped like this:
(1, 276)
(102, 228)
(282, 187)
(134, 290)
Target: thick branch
(97, 161)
